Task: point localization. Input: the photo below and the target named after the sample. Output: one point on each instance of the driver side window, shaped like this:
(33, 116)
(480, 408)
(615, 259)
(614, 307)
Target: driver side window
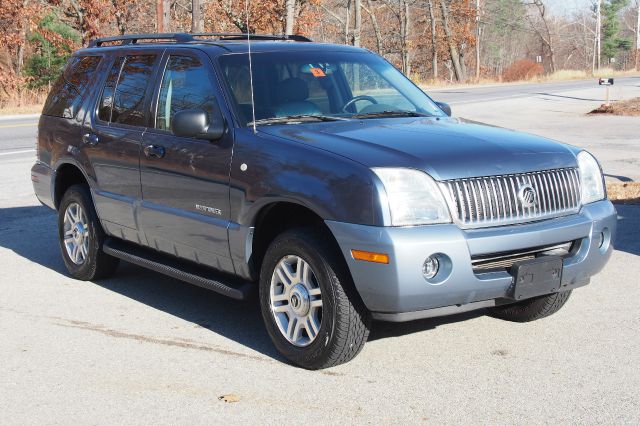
(185, 85)
(364, 81)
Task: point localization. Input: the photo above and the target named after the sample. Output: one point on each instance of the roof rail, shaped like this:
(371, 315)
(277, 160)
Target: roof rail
(239, 36)
(133, 38)
(186, 37)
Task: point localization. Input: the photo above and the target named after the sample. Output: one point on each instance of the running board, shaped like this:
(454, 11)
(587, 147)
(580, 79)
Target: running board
(183, 270)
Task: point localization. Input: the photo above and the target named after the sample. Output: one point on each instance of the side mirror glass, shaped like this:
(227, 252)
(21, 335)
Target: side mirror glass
(444, 107)
(195, 123)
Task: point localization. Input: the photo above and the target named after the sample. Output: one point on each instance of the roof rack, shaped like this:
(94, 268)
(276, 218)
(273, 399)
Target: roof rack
(186, 37)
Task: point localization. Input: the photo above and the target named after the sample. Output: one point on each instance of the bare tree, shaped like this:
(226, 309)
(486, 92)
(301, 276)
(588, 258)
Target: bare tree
(544, 32)
(197, 23)
(358, 23)
(290, 7)
(434, 40)
(637, 50)
(453, 49)
(374, 23)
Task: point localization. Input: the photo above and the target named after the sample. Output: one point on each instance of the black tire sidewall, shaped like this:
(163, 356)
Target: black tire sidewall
(80, 194)
(298, 243)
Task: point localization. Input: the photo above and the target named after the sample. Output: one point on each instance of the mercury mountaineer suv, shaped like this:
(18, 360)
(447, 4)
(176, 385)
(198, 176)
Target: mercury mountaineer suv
(316, 174)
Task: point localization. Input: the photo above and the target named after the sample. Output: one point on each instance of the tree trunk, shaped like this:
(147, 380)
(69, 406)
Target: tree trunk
(598, 33)
(159, 16)
(453, 50)
(20, 60)
(358, 23)
(376, 27)
(478, 40)
(637, 58)
(197, 23)
(434, 41)
(404, 37)
(290, 18)
(347, 21)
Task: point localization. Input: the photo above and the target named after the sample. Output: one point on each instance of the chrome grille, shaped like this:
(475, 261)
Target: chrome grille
(494, 200)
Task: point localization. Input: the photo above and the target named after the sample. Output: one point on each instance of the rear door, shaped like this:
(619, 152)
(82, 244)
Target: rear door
(114, 139)
(185, 181)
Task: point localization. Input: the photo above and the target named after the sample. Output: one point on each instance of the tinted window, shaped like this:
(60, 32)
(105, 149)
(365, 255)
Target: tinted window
(69, 90)
(322, 82)
(106, 101)
(185, 85)
(128, 100)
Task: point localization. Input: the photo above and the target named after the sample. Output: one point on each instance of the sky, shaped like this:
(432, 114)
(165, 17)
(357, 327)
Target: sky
(568, 6)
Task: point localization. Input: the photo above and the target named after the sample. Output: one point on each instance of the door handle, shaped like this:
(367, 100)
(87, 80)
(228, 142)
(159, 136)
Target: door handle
(90, 139)
(154, 151)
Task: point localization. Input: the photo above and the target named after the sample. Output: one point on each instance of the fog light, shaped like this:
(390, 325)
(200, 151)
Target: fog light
(600, 240)
(430, 267)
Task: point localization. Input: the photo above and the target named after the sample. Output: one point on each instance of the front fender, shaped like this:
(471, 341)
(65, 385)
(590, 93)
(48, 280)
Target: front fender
(267, 169)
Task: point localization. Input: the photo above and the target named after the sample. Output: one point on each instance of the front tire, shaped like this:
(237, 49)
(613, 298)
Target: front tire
(81, 237)
(532, 309)
(309, 305)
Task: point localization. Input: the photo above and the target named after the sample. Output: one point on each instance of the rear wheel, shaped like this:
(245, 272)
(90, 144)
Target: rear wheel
(81, 237)
(309, 305)
(532, 309)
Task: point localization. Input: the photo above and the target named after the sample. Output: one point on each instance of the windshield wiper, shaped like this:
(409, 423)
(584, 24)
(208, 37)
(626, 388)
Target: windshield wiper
(382, 114)
(296, 118)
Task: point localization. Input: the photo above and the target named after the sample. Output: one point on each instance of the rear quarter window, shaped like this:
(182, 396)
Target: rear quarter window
(69, 90)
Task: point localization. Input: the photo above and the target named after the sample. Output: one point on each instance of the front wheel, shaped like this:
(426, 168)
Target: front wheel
(532, 309)
(309, 305)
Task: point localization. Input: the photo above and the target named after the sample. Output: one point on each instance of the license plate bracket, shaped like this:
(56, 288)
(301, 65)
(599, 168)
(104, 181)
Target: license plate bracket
(536, 277)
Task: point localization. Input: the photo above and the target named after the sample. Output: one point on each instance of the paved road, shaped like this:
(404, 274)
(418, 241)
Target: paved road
(142, 348)
(490, 93)
(18, 134)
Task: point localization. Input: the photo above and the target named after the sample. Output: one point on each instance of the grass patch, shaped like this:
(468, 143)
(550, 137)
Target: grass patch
(24, 109)
(629, 107)
(624, 192)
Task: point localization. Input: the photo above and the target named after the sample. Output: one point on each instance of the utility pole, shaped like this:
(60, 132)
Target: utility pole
(197, 24)
(598, 32)
(478, 40)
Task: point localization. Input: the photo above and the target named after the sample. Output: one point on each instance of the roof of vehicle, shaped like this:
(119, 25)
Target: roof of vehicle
(222, 43)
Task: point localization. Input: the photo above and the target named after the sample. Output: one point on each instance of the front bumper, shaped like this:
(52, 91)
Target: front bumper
(398, 291)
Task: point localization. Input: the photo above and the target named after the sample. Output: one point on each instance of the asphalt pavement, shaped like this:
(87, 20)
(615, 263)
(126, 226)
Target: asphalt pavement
(491, 93)
(142, 348)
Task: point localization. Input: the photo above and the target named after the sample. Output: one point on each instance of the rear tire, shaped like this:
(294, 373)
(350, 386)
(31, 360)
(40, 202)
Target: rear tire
(340, 323)
(81, 237)
(532, 309)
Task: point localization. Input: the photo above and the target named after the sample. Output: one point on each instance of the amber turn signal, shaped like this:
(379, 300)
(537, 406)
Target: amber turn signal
(368, 256)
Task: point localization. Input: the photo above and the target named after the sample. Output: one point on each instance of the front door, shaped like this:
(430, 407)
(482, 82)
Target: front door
(185, 181)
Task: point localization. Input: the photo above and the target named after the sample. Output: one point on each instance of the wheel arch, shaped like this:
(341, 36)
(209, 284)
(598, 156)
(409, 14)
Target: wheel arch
(66, 175)
(276, 217)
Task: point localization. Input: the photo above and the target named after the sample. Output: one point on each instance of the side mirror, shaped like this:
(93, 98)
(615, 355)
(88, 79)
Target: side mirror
(194, 123)
(444, 107)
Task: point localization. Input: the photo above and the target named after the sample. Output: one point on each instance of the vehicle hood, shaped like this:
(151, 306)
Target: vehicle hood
(446, 148)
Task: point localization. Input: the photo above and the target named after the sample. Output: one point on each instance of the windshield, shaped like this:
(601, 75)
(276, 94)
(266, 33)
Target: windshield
(322, 85)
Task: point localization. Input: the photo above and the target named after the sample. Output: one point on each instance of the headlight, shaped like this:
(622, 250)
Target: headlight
(414, 197)
(591, 180)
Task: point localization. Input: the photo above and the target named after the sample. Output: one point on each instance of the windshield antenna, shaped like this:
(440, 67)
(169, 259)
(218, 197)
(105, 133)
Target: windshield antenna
(253, 106)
